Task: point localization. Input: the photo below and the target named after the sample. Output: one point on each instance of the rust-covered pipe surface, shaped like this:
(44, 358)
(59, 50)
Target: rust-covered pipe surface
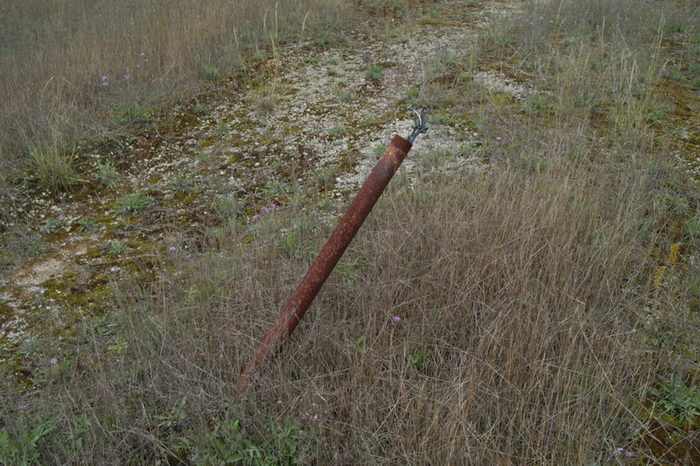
(344, 232)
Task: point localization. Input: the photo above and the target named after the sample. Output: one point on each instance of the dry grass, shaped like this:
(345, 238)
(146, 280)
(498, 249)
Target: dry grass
(532, 327)
(68, 67)
(517, 296)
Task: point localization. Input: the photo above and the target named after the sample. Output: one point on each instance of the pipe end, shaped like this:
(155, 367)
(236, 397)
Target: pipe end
(402, 144)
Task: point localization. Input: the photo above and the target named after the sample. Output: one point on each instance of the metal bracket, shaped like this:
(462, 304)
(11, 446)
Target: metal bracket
(420, 123)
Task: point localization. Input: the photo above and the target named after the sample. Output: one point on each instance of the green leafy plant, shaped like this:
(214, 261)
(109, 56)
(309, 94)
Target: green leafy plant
(22, 446)
(420, 357)
(678, 400)
(230, 444)
(174, 417)
(107, 174)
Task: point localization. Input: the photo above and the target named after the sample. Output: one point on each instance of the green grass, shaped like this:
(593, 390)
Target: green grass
(53, 167)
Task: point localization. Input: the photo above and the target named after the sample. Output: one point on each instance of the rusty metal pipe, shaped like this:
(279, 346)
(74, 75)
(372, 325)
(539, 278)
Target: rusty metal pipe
(344, 232)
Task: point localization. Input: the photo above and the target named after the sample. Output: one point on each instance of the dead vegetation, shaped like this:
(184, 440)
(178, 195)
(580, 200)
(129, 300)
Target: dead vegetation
(532, 312)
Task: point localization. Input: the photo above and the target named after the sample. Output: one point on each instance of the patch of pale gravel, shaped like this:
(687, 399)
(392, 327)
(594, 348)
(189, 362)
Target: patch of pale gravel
(499, 83)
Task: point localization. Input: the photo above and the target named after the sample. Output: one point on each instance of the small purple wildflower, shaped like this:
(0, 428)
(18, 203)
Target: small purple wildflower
(138, 65)
(105, 83)
(623, 451)
(498, 138)
(172, 249)
(265, 209)
(396, 319)
(127, 76)
(142, 54)
(315, 418)
(255, 217)
(53, 361)
(23, 406)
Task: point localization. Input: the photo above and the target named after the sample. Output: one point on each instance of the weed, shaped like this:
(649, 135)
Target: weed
(116, 247)
(22, 446)
(374, 73)
(323, 176)
(277, 188)
(676, 204)
(338, 131)
(204, 157)
(210, 71)
(51, 226)
(174, 417)
(118, 346)
(131, 113)
(420, 357)
(678, 400)
(692, 226)
(332, 72)
(180, 183)
(291, 242)
(347, 96)
(412, 95)
(442, 119)
(53, 166)
(392, 6)
(131, 204)
(379, 149)
(229, 207)
(230, 444)
(87, 224)
(371, 121)
(264, 101)
(533, 104)
(107, 174)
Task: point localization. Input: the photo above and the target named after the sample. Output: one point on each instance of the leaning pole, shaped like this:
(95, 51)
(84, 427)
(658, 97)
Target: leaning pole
(296, 306)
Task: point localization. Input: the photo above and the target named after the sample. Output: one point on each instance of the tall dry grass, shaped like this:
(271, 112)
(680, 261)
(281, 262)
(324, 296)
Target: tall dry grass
(531, 328)
(517, 297)
(68, 67)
